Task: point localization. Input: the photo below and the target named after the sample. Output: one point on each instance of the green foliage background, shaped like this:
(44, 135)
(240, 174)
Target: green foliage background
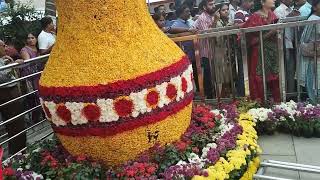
(17, 21)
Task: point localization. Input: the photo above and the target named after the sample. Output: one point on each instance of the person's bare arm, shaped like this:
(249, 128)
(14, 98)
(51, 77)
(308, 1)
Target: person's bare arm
(45, 51)
(25, 55)
(7, 59)
(216, 18)
(177, 30)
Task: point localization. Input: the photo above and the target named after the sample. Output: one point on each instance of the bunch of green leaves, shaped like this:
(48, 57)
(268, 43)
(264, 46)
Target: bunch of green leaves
(17, 21)
(245, 104)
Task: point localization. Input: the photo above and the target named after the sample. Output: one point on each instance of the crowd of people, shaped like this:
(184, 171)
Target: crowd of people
(218, 68)
(35, 45)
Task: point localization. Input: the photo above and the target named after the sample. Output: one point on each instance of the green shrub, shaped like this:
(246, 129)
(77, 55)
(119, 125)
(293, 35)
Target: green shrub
(17, 21)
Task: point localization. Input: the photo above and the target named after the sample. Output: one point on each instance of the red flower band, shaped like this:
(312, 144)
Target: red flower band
(111, 90)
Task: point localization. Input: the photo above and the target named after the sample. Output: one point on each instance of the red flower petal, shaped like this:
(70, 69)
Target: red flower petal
(171, 91)
(123, 107)
(64, 113)
(92, 112)
(8, 171)
(184, 84)
(153, 98)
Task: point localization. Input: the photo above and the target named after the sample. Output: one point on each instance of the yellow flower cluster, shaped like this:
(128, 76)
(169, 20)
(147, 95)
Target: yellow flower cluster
(237, 157)
(102, 41)
(126, 146)
(252, 169)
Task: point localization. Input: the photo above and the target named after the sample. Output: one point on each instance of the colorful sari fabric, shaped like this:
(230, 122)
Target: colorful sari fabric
(31, 84)
(307, 63)
(255, 60)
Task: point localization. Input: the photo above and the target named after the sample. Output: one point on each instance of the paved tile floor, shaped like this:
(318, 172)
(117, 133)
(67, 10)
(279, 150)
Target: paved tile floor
(283, 147)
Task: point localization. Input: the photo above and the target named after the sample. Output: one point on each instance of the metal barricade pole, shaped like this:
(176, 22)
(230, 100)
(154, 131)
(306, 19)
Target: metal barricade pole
(230, 68)
(20, 79)
(282, 77)
(296, 45)
(316, 63)
(262, 64)
(18, 98)
(21, 132)
(215, 88)
(244, 54)
(198, 64)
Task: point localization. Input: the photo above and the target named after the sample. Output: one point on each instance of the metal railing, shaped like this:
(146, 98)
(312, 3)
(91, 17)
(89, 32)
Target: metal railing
(25, 116)
(210, 36)
(296, 24)
(283, 165)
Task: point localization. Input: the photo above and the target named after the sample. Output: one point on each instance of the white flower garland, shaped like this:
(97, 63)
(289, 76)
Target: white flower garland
(108, 113)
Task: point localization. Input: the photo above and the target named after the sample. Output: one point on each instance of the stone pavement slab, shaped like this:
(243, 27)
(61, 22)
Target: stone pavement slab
(287, 148)
(308, 152)
(277, 144)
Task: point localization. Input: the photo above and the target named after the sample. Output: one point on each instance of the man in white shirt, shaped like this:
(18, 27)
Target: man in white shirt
(284, 9)
(47, 37)
(304, 7)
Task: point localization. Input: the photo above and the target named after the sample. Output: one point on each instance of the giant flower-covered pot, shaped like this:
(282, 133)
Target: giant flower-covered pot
(114, 84)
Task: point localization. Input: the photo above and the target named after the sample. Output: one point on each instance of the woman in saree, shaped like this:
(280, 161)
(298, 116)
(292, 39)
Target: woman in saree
(264, 16)
(222, 66)
(310, 49)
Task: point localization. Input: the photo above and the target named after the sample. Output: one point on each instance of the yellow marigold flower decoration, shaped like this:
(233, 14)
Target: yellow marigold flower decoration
(252, 169)
(114, 84)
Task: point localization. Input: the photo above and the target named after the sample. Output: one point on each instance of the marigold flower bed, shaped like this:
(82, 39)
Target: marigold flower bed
(219, 144)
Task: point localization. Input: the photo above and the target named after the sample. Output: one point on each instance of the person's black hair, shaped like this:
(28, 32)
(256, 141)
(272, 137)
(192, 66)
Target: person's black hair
(220, 5)
(258, 5)
(203, 4)
(189, 3)
(181, 9)
(171, 16)
(314, 4)
(156, 9)
(45, 22)
(157, 16)
(31, 32)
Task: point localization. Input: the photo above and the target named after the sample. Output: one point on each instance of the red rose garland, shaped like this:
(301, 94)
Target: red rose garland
(171, 91)
(92, 112)
(64, 113)
(184, 84)
(123, 106)
(153, 98)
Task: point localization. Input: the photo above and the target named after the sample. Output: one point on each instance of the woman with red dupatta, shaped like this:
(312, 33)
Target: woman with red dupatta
(264, 16)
